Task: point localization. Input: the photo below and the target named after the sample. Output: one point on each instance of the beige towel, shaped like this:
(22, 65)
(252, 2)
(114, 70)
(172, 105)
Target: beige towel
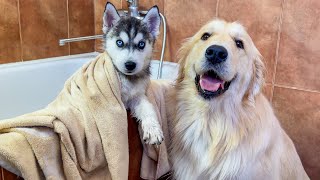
(155, 162)
(82, 134)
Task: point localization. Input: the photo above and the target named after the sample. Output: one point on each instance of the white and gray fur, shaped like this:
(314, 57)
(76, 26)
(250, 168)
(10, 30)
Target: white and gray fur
(134, 82)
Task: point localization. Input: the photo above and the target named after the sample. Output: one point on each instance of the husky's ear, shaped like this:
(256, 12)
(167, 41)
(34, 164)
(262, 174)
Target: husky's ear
(257, 81)
(110, 17)
(152, 19)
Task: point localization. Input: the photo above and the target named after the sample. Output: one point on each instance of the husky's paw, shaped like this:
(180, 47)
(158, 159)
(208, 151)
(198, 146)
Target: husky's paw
(152, 133)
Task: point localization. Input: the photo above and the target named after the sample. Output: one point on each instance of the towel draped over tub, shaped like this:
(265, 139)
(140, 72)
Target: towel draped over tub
(83, 133)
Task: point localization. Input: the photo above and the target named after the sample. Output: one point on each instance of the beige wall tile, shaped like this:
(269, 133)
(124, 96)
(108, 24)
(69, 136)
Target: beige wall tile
(42, 25)
(261, 18)
(298, 112)
(10, 49)
(299, 53)
(81, 22)
(184, 19)
(99, 6)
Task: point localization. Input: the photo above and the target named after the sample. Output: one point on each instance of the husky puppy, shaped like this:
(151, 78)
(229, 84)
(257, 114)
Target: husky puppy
(129, 42)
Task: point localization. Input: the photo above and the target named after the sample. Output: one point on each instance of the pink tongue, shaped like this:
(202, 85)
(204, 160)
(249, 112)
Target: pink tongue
(210, 84)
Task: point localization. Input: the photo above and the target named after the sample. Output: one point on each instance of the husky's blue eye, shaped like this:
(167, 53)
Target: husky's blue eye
(120, 43)
(141, 44)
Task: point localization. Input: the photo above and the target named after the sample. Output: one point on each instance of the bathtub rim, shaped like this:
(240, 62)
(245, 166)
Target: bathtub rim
(59, 58)
(48, 60)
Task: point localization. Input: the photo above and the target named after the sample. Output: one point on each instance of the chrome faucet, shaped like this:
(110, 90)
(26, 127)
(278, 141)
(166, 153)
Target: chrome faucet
(133, 8)
(133, 12)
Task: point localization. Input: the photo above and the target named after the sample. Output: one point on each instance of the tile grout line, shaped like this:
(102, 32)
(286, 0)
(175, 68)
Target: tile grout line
(20, 32)
(68, 26)
(217, 8)
(296, 88)
(277, 49)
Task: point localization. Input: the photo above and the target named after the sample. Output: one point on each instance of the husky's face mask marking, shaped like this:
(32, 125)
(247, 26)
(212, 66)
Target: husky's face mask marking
(129, 41)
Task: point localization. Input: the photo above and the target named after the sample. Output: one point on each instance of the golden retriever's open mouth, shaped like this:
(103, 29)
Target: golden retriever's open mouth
(210, 85)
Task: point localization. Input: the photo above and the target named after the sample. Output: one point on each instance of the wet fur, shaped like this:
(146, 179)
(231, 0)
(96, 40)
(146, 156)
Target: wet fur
(235, 135)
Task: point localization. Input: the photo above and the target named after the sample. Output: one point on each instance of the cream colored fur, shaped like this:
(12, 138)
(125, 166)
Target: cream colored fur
(235, 135)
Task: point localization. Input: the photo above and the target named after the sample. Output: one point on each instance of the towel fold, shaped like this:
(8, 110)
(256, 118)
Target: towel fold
(83, 133)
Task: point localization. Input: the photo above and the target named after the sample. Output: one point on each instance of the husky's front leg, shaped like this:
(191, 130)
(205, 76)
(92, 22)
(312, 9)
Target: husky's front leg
(144, 111)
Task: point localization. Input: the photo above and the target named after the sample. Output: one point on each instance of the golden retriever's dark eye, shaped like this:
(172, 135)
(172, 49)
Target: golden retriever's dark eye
(205, 36)
(239, 44)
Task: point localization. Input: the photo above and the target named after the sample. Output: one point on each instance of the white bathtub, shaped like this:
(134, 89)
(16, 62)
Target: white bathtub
(30, 86)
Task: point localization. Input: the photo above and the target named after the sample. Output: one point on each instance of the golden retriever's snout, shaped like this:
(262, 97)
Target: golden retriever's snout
(216, 54)
(210, 84)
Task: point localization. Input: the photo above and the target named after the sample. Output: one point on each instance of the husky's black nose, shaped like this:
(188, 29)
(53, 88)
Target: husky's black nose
(130, 65)
(216, 54)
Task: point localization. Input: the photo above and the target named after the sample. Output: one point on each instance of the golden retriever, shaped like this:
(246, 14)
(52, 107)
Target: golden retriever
(223, 126)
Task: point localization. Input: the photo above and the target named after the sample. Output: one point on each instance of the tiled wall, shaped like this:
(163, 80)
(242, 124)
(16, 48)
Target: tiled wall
(31, 29)
(285, 31)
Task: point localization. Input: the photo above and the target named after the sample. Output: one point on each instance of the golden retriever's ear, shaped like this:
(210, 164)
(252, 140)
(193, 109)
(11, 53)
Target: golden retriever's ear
(182, 56)
(257, 77)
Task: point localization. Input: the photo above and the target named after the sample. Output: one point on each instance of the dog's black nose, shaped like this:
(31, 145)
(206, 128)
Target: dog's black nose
(216, 54)
(130, 65)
